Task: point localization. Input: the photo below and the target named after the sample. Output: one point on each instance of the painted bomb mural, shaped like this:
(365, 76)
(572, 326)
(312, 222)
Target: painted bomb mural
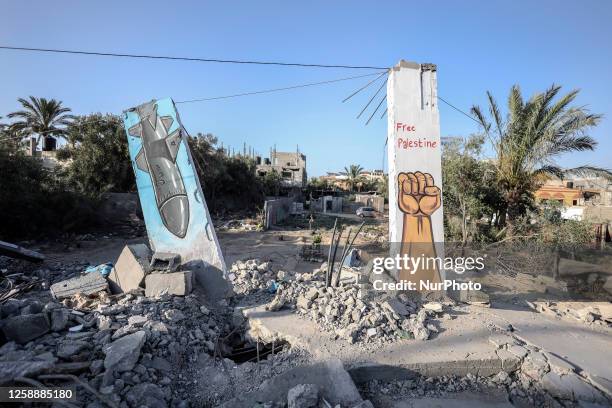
(415, 171)
(173, 205)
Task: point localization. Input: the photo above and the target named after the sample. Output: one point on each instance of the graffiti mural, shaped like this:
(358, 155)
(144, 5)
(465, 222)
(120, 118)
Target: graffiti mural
(173, 205)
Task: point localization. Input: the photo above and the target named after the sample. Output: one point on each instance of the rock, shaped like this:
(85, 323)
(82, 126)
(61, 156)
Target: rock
(502, 378)
(137, 320)
(371, 332)
(104, 322)
(396, 307)
(303, 303)
(311, 294)
(147, 395)
(174, 315)
(303, 396)
(10, 370)
(176, 283)
(59, 319)
(24, 328)
(436, 307)
(10, 307)
(130, 269)
(123, 354)
(69, 349)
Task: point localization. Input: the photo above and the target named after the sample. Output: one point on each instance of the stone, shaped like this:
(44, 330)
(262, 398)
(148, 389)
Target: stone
(10, 307)
(87, 284)
(147, 395)
(69, 349)
(371, 332)
(434, 307)
(9, 370)
(130, 269)
(59, 319)
(303, 303)
(137, 320)
(396, 307)
(311, 294)
(535, 366)
(175, 283)
(24, 328)
(123, 354)
(303, 396)
(173, 315)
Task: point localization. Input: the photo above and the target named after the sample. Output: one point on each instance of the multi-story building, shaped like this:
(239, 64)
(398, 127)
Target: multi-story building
(291, 166)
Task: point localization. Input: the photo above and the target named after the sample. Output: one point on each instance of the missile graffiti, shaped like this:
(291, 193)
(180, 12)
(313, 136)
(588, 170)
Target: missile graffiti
(157, 157)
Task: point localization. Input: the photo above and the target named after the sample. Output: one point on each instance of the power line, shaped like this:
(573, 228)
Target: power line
(458, 110)
(192, 59)
(277, 89)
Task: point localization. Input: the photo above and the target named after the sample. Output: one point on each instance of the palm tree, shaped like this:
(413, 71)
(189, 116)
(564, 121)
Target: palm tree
(353, 173)
(527, 142)
(44, 117)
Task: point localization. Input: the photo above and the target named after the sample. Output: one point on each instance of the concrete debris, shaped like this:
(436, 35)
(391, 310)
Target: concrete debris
(87, 284)
(122, 354)
(165, 261)
(175, 283)
(130, 269)
(589, 313)
(342, 310)
(24, 328)
(303, 396)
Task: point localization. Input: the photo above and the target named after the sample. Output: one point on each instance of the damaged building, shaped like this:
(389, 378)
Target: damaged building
(291, 166)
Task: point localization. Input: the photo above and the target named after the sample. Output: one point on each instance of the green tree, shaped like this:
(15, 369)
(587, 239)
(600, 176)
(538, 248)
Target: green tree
(470, 192)
(100, 162)
(527, 142)
(43, 117)
(353, 174)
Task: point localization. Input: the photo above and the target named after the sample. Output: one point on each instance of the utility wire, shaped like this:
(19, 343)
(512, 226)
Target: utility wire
(277, 89)
(192, 59)
(458, 110)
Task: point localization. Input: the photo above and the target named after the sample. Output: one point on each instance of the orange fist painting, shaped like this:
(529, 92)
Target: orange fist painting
(418, 198)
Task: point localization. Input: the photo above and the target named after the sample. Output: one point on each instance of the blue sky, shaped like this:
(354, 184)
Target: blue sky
(477, 45)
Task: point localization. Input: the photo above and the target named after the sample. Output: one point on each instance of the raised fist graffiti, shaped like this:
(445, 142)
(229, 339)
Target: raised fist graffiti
(417, 194)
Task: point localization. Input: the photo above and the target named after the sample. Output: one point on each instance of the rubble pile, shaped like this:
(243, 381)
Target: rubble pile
(126, 347)
(253, 275)
(307, 396)
(346, 310)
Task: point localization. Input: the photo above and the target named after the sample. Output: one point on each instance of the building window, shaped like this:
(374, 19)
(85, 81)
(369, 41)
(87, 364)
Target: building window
(575, 202)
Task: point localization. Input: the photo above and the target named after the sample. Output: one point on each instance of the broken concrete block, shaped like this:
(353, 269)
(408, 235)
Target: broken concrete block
(303, 396)
(130, 268)
(509, 361)
(27, 327)
(123, 354)
(474, 297)
(396, 307)
(86, 285)
(175, 283)
(59, 319)
(165, 261)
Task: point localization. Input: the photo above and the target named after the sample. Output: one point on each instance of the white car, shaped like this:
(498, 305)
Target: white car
(366, 212)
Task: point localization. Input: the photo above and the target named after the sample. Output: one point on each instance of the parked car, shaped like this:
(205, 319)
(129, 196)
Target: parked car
(366, 212)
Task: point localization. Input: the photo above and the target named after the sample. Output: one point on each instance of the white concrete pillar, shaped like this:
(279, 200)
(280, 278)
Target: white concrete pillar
(415, 168)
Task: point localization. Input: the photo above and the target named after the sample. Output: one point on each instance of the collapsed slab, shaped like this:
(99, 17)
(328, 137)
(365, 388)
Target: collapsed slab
(334, 383)
(130, 269)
